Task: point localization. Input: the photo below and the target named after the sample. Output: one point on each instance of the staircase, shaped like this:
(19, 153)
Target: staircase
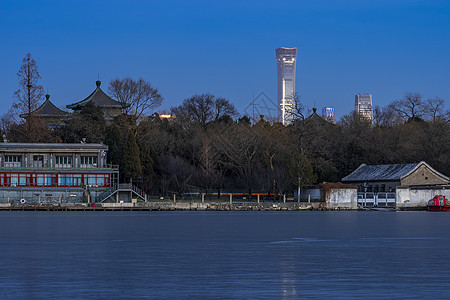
(123, 187)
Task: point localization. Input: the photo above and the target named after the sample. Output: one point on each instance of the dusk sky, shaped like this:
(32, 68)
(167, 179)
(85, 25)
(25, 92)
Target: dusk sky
(227, 48)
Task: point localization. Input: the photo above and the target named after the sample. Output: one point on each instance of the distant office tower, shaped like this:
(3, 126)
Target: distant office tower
(363, 106)
(286, 58)
(328, 114)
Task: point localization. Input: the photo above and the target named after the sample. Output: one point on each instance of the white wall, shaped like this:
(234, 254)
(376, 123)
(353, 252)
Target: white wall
(342, 198)
(418, 197)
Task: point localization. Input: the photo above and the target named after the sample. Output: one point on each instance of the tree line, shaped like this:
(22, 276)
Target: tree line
(207, 146)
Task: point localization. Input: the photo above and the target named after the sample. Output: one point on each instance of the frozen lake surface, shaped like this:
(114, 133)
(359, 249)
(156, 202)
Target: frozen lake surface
(216, 255)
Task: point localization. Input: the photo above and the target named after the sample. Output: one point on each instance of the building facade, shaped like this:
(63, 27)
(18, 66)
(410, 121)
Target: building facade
(286, 62)
(328, 114)
(47, 173)
(363, 106)
(387, 178)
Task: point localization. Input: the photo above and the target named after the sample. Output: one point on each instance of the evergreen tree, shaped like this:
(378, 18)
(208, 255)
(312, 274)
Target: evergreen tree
(89, 124)
(114, 142)
(132, 167)
(147, 158)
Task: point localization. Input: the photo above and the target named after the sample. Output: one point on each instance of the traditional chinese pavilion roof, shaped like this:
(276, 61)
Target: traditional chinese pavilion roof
(99, 98)
(315, 118)
(48, 109)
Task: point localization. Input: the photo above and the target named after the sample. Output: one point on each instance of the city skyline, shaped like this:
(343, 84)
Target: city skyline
(227, 48)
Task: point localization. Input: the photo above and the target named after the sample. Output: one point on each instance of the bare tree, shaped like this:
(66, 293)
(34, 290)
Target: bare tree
(410, 107)
(8, 120)
(297, 109)
(202, 109)
(385, 116)
(222, 107)
(176, 173)
(434, 108)
(137, 97)
(30, 92)
(301, 172)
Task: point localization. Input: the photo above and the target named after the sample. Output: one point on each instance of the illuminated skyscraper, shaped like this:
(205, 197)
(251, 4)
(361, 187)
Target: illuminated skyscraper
(363, 106)
(328, 114)
(286, 58)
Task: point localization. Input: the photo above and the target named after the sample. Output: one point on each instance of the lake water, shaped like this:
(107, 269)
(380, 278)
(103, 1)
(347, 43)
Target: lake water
(217, 255)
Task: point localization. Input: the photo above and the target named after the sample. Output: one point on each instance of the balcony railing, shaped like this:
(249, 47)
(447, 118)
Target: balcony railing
(57, 167)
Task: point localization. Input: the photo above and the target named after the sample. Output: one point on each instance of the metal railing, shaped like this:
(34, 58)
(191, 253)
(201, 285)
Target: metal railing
(57, 167)
(105, 195)
(370, 199)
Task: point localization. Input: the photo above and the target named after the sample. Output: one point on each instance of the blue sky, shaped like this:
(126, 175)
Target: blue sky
(227, 48)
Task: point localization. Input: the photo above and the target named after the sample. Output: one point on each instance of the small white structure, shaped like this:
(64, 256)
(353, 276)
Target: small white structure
(340, 196)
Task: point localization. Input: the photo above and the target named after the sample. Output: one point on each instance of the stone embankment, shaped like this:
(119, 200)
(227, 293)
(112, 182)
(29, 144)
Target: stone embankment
(163, 206)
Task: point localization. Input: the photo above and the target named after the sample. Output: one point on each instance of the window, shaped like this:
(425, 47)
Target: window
(92, 180)
(13, 161)
(22, 179)
(40, 179)
(96, 180)
(50, 179)
(38, 161)
(13, 179)
(63, 162)
(77, 180)
(89, 161)
(101, 180)
(65, 180)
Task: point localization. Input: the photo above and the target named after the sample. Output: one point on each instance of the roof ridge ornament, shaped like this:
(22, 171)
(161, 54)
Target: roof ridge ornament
(98, 83)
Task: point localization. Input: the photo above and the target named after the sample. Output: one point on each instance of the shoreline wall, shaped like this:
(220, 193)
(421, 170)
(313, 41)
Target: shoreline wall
(166, 206)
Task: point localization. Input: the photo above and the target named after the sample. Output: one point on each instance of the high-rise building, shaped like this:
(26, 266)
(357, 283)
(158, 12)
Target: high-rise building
(286, 58)
(363, 106)
(328, 114)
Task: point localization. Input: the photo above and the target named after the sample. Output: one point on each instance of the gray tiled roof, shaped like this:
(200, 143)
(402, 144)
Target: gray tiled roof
(379, 172)
(99, 98)
(48, 109)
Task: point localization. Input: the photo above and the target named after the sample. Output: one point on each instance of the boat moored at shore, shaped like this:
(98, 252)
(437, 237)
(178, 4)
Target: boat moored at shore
(439, 203)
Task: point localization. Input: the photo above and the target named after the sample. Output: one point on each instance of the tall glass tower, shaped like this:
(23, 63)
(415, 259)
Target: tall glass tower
(286, 58)
(363, 106)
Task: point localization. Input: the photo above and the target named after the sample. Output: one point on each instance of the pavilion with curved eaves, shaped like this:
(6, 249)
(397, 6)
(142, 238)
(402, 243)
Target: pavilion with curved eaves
(110, 107)
(52, 115)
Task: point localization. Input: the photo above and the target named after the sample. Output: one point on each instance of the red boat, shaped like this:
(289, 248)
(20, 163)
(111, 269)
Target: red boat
(439, 203)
